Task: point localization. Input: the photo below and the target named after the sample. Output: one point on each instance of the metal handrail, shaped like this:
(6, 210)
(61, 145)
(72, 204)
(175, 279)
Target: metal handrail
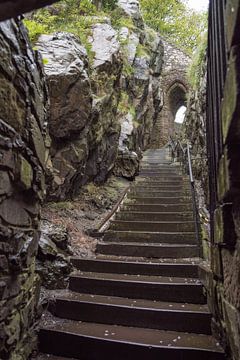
(190, 164)
(187, 159)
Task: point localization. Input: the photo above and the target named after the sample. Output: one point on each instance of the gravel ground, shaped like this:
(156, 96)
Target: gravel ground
(83, 215)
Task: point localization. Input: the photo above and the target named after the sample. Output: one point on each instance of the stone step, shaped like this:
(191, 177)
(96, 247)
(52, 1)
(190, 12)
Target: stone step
(159, 200)
(173, 289)
(152, 226)
(137, 266)
(91, 341)
(154, 216)
(135, 313)
(165, 174)
(147, 182)
(152, 182)
(158, 176)
(169, 170)
(147, 250)
(156, 207)
(143, 192)
(142, 187)
(150, 237)
(51, 357)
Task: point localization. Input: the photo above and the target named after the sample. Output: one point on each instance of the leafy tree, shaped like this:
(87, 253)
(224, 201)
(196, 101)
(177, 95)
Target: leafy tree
(175, 21)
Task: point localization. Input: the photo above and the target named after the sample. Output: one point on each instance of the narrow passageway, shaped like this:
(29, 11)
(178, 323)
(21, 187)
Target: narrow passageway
(141, 296)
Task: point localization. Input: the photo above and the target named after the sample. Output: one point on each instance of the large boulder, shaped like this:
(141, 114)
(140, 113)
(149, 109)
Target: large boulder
(66, 67)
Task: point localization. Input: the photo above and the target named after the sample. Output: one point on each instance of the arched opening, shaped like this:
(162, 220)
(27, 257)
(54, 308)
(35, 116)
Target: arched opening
(176, 105)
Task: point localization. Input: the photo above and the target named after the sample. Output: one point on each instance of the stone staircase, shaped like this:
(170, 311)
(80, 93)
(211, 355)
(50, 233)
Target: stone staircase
(140, 298)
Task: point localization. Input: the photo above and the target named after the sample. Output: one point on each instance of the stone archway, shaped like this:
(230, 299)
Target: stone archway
(176, 98)
(174, 85)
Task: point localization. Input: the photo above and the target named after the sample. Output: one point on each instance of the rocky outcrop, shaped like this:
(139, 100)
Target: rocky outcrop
(53, 258)
(23, 104)
(66, 67)
(102, 106)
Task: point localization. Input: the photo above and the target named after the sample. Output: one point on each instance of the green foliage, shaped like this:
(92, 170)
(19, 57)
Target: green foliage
(86, 8)
(109, 5)
(141, 51)
(72, 16)
(119, 19)
(175, 21)
(127, 70)
(123, 105)
(35, 29)
(198, 61)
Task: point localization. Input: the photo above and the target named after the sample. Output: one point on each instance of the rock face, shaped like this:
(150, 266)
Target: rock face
(70, 108)
(102, 110)
(23, 104)
(66, 67)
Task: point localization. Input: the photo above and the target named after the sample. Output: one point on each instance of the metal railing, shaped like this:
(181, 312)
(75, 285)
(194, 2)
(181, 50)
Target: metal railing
(182, 153)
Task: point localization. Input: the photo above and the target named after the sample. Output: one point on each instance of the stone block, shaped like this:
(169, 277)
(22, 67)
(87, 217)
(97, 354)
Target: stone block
(216, 262)
(13, 213)
(5, 183)
(3, 263)
(26, 173)
(218, 226)
(223, 184)
(232, 22)
(230, 104)
(232, 324)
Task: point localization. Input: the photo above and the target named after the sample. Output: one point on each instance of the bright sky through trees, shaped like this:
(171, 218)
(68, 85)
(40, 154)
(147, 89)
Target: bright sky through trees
(198, 4)
(180, 115)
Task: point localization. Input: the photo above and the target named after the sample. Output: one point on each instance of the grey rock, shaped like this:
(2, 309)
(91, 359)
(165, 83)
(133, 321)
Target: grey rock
(58, 234)
(127, 164)
(132, 9)
(53, 263)
(104, 44)
(69, 86)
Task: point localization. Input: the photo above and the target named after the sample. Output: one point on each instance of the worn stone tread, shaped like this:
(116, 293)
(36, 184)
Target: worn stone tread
(148, 337)
(134, 303)
(137, 278)
(51, 357)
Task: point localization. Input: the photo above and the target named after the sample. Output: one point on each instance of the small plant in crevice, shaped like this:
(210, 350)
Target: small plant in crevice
(198, 60)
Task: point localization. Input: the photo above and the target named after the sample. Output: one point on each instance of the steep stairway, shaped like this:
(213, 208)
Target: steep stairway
(140, 298)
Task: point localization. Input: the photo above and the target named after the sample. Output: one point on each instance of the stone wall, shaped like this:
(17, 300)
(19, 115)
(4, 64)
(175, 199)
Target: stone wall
(174, 87)
(226, 248)
(23, 105)
(221, 270)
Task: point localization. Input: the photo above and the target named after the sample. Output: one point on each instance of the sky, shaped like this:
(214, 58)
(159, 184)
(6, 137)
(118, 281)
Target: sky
(180, 115)
(198, 4)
